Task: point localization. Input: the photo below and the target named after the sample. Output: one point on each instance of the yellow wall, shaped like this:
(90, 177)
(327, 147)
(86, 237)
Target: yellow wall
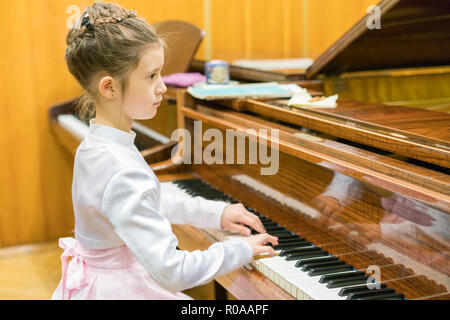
(36, 172)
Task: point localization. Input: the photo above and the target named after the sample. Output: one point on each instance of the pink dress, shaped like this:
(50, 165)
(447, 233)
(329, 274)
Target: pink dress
(106, 274)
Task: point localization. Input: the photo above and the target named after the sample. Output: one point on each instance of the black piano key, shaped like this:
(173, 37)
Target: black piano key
(285, 239)
(295, 244)
(327, 270)
(189, 182)
(346, 275)
(303, 262)
(211, 194)
(297, 256)
(205, 189)
(188, 185)
(267, 224)
(260, 216)
(199, 188)
(275, 229)
(286, 252)
(281, 235)
(347, 282)
(347, 291)
(291, 239)
(216, 198)
(322, 264)
(370, 293)
(394, 296)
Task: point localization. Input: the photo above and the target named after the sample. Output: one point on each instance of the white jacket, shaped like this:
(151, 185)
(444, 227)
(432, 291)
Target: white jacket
(117, 200)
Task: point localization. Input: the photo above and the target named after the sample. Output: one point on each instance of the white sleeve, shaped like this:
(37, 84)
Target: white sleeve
(196, 211)
(130, 204)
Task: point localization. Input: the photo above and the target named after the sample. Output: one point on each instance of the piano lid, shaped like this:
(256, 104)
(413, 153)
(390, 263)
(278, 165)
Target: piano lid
(414, 33)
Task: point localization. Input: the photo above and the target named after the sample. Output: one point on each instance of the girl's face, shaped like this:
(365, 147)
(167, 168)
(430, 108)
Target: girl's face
(145, 88)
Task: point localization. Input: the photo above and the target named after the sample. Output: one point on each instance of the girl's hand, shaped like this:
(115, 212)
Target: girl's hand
(235, 216)
(258, 244)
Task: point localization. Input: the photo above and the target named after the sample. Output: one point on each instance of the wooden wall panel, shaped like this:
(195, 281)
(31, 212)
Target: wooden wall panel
(296, 29)
(36, 172)
(53, 84)
(269, 29)
(328, 20)
(256, 29)
(20, 213)
(228, 29)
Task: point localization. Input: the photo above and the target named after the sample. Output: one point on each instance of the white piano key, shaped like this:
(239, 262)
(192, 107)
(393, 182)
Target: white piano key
(310, 286)
(80, 130)
(73, 125)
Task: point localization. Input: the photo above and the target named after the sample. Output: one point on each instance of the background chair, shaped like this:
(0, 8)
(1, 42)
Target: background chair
(183, 40)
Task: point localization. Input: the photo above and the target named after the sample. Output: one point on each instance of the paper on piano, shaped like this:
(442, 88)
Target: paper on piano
(274, 64)
(242, 91)
(303, 99)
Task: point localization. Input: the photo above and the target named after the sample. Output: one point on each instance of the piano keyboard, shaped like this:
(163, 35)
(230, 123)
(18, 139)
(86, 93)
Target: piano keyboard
(77, 127)
(301, 268)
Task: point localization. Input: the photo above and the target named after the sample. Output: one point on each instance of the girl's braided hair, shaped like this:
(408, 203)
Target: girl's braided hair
(106, 39)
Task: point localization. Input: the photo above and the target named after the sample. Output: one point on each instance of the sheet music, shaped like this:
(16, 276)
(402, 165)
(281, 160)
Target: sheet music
(274, 64)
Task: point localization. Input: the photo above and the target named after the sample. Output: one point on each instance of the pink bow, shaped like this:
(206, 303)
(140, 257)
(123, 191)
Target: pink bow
(76, 269)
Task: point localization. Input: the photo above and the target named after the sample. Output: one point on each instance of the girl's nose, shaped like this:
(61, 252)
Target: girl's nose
(161, 89)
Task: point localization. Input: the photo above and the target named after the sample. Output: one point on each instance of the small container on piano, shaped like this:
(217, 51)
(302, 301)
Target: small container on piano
(217, 72)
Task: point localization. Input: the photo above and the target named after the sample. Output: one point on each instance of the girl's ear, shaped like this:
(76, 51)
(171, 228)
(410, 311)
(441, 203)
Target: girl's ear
(106, 87)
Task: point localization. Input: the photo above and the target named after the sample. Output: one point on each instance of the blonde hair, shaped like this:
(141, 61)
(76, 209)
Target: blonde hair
(106, 39)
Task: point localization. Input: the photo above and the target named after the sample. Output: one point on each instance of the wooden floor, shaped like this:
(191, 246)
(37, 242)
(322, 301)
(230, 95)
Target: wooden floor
(29, 272)
(32, 272)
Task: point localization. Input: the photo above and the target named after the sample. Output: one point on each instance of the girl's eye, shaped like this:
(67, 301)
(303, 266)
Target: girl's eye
(153, 76)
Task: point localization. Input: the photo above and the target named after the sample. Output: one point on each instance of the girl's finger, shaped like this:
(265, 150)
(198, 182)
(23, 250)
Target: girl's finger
(256, 224)
(271, 238)
(244, 219)
(266, 249)
(239, 228)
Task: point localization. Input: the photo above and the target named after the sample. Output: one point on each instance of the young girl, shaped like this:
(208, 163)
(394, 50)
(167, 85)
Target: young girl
(124, 246)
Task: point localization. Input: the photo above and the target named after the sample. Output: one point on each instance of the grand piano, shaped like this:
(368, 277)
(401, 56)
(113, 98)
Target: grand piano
(359, 195)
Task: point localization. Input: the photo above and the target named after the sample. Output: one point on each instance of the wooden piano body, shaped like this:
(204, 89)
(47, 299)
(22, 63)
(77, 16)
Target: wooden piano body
(405, 62)
(393, 209)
